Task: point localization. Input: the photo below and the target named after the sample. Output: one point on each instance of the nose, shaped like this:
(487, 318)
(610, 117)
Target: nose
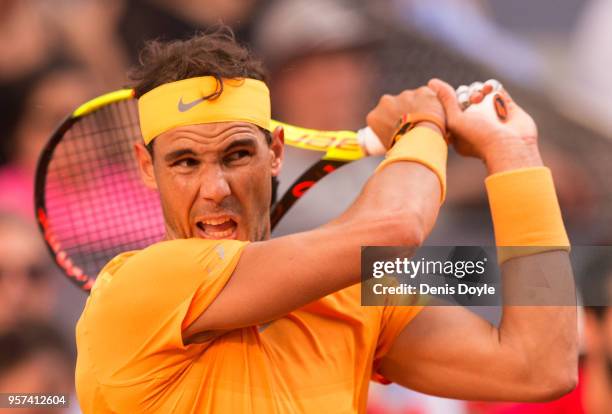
(214, 185)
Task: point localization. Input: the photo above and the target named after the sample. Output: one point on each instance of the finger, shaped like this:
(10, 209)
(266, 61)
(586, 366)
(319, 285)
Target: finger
(495, 84)
(477, 98)
(463, 96)
(446, 95)
(487, 89)
(476, 87)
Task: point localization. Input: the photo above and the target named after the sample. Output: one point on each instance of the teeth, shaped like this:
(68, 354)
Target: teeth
(208, 230)
(219, 234)
(216, 222)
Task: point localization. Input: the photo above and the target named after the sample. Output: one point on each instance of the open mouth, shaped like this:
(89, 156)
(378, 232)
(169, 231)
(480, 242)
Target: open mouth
(219, 228)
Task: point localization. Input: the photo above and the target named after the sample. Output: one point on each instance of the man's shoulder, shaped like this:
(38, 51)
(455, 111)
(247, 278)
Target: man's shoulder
(170, 251)
(195, 246)
(164, 263)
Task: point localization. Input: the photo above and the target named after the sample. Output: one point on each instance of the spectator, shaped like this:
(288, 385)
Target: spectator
(88, 35)
(586, 93)
(37, 105)
(21, 51)
(35, 359)
(26, 286)
(465, 26)
(143, 20)
(320, 76)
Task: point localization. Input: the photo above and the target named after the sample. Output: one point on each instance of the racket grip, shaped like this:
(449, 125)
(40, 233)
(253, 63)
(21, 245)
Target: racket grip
(370, 143)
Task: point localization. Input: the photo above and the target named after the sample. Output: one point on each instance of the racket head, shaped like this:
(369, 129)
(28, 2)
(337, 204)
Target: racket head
(91, 203)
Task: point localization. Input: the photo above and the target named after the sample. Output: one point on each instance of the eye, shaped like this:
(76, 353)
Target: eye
(186, 163)
(237, 156)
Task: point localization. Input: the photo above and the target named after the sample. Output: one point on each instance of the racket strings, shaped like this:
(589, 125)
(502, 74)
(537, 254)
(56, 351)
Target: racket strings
(96, 204)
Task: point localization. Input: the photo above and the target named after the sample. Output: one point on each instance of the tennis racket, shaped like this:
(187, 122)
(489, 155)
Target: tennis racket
(91, 204)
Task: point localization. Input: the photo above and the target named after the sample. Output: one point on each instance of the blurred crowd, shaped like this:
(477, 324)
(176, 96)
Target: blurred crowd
(329, 61)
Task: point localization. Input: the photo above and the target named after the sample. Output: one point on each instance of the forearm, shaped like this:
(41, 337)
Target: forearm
(539, 334)
(538, 331)
(406, 192)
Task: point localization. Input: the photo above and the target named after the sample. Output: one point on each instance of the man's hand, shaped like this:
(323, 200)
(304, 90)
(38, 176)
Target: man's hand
(477, 132)
(384, 118)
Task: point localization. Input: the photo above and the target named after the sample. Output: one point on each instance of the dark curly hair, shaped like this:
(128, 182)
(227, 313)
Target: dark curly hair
(212, 53)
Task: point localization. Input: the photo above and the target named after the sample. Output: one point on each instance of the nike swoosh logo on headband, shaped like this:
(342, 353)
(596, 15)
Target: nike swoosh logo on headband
(184, 107)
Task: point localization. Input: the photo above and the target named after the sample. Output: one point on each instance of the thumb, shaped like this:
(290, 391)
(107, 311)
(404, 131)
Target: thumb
(446, 95)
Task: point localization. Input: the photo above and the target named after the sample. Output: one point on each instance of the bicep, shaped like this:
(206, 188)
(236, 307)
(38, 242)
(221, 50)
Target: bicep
(450, 352)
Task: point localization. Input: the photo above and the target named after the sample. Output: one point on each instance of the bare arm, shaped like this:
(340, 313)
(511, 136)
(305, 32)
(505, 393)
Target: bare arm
(450, 352)
(397, 206)
(532, 356)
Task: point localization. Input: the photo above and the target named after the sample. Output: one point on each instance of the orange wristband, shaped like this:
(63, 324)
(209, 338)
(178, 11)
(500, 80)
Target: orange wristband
(424, 146)
(526, 214)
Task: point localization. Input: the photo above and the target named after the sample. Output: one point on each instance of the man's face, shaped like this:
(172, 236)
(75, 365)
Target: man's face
(26, 283)
(214, 180)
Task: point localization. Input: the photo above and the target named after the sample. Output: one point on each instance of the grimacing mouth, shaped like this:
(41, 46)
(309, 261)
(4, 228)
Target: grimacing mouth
(219, 227)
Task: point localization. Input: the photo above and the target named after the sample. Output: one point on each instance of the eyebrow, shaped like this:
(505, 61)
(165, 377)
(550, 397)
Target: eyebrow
(243, 142)
(178, 153)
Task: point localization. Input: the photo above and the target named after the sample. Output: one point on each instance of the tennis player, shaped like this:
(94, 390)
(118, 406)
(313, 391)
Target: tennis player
(219, 318)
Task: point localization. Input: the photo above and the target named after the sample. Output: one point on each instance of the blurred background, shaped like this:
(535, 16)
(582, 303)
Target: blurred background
(329, 62)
